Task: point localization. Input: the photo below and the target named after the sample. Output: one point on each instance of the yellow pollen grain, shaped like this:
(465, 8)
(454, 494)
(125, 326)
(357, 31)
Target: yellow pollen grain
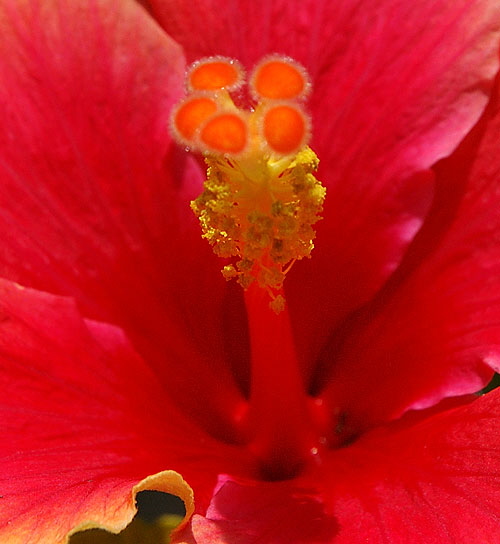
(262, 215)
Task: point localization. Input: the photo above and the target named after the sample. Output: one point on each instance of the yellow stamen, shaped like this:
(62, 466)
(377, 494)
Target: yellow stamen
(261, 212)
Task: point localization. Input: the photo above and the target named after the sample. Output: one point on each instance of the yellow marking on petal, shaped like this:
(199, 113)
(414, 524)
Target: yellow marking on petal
(119, 516)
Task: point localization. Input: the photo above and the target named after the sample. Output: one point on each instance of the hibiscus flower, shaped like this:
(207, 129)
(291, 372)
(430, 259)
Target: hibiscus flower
(128, 362)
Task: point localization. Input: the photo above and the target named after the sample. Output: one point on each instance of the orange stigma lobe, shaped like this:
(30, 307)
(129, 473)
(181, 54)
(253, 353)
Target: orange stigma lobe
(285, 128)
(279, 78)
(190, 114)
(225, 133)
(214, 73)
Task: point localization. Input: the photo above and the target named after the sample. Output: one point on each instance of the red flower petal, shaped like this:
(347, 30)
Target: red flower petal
(437, 482)
(435, 332)
(93, 197)
(396, 102)
(83, 421)
(274, 513)
(393, 93)
(434, 482)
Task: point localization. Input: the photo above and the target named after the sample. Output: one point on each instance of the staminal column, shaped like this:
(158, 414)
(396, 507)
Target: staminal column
(279, 419)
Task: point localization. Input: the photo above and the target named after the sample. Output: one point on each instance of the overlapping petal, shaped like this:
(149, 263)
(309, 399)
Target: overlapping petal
(94, 197)
(93, 204)
(396, 87)
(434, 482)
(85, 422)
(435, 331)
(121, 214)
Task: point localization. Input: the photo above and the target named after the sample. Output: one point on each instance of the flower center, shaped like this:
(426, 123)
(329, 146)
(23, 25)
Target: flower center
(260, 198)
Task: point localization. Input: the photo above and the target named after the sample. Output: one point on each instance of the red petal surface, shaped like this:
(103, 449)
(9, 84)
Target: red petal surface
(246, 512)
(436, 482)
(435, 333)
(94, 198)
(396, 86)
(82, 421)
